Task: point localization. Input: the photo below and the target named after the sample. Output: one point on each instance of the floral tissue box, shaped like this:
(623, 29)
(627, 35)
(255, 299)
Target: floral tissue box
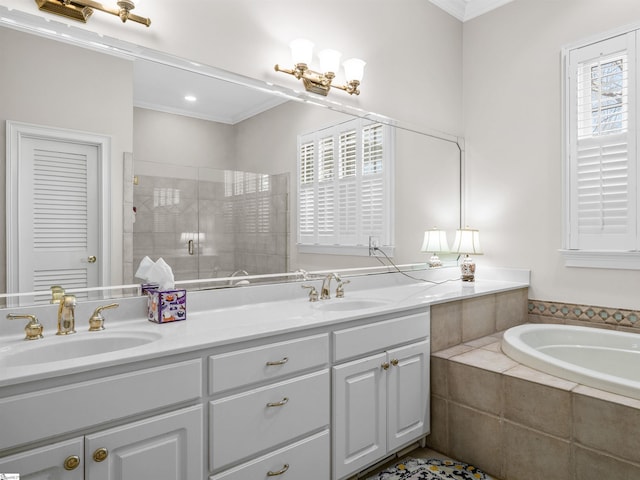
(166, 306)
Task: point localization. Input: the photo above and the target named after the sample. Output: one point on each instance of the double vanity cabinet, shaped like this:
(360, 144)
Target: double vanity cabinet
(317, 402)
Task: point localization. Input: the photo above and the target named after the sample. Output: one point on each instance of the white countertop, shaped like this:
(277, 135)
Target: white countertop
(223, 317)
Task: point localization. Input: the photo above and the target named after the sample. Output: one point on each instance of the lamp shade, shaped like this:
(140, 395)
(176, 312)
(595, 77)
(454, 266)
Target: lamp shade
(329, 60)
(301, 51)
(467, 242)
(354, 69)
(435, 241)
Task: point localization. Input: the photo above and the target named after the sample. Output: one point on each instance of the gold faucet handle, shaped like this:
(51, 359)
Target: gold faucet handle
(96, 322)
(340, 288)
(313, 293)
(33, 329)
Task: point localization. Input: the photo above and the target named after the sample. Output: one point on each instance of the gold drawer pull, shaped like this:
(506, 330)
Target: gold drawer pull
(284, 468)
(395, 362)
(100, 454)
(71, 462)
(278, 362)
(281, 403)
(385, 366)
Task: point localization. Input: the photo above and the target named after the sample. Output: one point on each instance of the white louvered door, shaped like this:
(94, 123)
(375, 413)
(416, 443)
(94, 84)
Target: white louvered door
(58, 211)
(59, 200)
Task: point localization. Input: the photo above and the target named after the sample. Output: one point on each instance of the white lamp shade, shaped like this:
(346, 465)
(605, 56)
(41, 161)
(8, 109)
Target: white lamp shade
(467, 242)
(301, 51)
(329, 60)
(435, 241)
(354, 69)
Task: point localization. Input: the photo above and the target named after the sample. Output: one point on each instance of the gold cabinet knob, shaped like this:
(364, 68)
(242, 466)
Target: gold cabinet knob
(71, 462)
(92, 259)
(100, 454)
(395, 362)
(284, 468)
(385, 366)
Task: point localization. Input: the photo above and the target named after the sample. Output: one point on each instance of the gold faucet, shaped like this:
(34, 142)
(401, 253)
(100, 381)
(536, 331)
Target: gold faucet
(326, 285)
(34, 328)
(66, 315)
(96, 322)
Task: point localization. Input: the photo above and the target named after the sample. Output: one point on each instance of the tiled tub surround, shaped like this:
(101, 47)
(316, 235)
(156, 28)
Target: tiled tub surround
(587, 315)
(517, 423)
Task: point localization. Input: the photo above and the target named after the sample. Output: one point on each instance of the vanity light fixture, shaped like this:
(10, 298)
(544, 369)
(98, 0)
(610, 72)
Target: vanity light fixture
(435, 242)
(467, 243)
(320, 83)
(81, 10)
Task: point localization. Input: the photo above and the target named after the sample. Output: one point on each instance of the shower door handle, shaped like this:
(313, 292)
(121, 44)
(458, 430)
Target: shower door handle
(190, 247)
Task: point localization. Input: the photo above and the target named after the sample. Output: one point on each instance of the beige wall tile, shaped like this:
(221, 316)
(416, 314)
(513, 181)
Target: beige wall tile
(591, 465)
(608, 427)
(476, 438)
(438, 439)
(478, 317)
(439, 377)
(475, 387)
(532, 455)
(543, 408)
(446, 325)
(511, 308)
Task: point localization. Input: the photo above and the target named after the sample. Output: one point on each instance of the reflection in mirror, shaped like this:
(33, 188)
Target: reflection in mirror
(159, 128)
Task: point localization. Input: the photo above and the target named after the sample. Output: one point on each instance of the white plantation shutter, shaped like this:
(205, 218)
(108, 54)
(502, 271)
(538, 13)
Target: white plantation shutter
(344, 187)
(602, 146)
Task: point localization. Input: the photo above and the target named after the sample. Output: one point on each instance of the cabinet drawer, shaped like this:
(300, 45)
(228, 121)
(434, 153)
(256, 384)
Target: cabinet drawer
(308, 459)
(81, 405)
(352, 342)
(243, 425)
(268, 362)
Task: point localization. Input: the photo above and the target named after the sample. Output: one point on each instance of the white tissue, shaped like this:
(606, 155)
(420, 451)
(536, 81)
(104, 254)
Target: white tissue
(158, 272)
(143, 269)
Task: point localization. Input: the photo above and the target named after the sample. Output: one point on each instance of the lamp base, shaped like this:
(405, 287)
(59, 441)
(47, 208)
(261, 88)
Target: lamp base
(468, 269)
(434, 261)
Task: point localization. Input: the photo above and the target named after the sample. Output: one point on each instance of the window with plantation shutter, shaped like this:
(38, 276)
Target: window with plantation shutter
(345, 188)
(601, 110)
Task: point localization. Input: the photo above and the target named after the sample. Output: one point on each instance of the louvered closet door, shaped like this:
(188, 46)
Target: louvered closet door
(58, 219)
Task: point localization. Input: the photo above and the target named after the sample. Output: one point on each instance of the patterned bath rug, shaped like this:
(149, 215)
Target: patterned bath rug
(431, 469)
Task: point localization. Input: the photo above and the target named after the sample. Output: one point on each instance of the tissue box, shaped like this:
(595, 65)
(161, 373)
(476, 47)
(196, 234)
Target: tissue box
(166, 306)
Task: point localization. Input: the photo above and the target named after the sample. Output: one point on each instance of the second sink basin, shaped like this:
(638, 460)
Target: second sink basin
(58, 348)
(342, 305)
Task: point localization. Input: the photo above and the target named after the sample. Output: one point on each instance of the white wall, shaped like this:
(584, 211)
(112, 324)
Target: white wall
(512, 124)
(58, 85)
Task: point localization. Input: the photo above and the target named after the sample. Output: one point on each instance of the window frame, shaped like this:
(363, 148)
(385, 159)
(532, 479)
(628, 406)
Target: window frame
(358, 247)
(611, 258)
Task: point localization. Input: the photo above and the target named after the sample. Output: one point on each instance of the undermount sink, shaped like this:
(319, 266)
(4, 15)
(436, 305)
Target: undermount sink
(58, 348)
(342, 305)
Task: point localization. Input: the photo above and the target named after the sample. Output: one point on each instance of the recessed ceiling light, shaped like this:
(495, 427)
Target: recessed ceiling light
(190, 98)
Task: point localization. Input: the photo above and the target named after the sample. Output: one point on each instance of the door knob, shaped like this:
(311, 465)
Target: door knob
(92, 259)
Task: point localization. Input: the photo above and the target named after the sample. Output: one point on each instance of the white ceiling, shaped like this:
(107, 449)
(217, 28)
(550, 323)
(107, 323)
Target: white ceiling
(465, 10)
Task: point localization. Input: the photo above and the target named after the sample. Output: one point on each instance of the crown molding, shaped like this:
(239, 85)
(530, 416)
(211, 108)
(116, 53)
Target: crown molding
(465, 10)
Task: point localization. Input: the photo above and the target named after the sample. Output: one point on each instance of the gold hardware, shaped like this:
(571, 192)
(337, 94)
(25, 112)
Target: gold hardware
(135, 180)
(96, 322)
(92, 259)
(190, 247)
(278, 362)
(33, 329)
(100, 454)
(313, 293)
(66, 315)
(394, 362)
(319, 83)
(326, 285)
(81, 10)
(340, 288)
(71, 462)
(284, 468)
(57, 292)
(281, 403)
(385, 366)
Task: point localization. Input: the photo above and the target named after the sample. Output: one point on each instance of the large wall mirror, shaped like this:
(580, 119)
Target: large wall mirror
(186, 177)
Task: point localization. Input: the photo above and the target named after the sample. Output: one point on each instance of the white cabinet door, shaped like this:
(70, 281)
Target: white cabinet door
(48, 463)
(165, 447)
(408, 397)
(359, 415)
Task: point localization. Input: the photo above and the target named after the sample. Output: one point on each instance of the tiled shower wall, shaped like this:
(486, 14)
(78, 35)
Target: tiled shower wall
(239, 222)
